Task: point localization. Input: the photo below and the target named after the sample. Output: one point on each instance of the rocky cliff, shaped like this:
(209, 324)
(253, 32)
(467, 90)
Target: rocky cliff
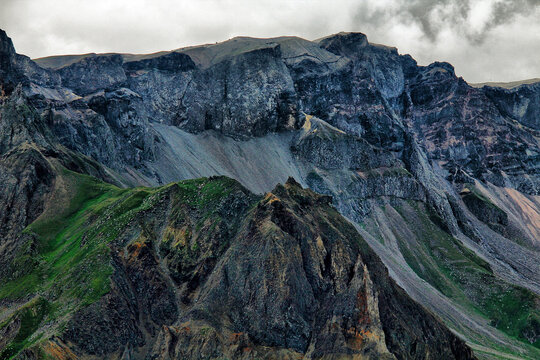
(439, 178)
(248, 87)
(205, 269)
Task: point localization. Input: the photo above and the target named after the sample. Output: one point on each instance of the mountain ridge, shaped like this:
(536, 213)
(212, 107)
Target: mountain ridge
(412, 156)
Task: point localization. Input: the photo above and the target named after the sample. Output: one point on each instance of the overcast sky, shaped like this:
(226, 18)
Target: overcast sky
(486, 40)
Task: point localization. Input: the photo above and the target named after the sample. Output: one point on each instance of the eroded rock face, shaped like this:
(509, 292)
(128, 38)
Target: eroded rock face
(248, 87)
(464, 132)
(93, 73)
(139, 304)
(253, 86)
(19, 69)
(330, 148)
(519, 103)
(7, 53)
(290, 276)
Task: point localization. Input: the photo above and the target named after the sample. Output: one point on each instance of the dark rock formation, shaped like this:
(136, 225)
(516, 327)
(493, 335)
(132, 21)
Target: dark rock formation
(330, 148)
(484, 209)
(93, 73)
(289, 274)
(519, 103)
(250, 87)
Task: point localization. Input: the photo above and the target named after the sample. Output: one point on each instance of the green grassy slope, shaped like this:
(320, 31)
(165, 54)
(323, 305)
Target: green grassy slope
(65, 263)
(461, 275)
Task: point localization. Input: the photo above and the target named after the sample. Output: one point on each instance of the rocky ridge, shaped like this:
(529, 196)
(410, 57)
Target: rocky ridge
(310, 285)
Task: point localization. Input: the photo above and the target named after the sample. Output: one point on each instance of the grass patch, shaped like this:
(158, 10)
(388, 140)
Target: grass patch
(66, 257)
(460, 274)
(30, 317)
(475, 192)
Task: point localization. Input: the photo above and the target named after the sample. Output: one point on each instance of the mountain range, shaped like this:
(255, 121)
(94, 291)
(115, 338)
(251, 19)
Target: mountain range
(266, 198)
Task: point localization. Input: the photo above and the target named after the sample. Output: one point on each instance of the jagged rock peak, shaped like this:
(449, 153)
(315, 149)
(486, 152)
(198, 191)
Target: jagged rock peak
(7, 52)
(6, 45)
(344, 42)
(442, 65)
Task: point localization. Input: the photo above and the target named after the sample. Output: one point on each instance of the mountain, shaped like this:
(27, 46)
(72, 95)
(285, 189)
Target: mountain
(428, 218)
(506, 85)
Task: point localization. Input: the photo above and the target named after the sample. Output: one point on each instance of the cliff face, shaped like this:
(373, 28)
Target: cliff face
(519, 103)
(439, 178)
(248, 87)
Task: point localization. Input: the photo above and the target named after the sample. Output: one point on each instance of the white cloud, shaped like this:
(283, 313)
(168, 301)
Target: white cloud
(479, 15)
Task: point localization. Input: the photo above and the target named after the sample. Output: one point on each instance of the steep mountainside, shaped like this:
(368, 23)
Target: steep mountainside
(439, 178)
(205, 269)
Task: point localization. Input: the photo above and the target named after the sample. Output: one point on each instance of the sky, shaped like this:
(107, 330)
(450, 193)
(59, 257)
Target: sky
(485, 40)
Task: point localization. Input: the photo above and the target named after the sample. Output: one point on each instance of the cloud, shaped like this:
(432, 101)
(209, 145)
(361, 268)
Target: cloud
(472, 19)
(486, 40)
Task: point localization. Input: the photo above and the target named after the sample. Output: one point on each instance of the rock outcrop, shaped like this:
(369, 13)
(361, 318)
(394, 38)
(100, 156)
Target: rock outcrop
(249, 87)
(210, 270)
